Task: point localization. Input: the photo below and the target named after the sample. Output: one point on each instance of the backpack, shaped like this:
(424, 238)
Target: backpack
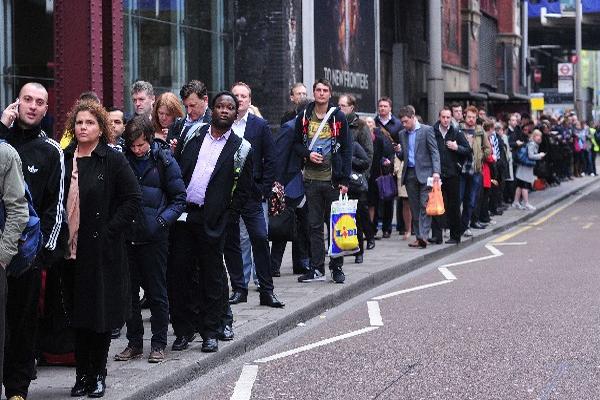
(30, 242)
(239, 159)
(523, 157)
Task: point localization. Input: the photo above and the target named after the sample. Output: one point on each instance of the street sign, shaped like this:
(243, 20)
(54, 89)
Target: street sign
(565, 85)
(565, 70)
(537, 101)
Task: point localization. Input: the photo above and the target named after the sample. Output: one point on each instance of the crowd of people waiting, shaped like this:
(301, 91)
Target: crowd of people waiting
(175, 200)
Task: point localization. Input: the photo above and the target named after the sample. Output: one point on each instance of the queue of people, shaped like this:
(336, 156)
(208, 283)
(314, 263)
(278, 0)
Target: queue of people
(176, 200)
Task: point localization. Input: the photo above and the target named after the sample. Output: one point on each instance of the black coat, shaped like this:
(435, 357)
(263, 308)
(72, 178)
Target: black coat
(109, 200)
(218, 199)
(452, 161)
(382, 148)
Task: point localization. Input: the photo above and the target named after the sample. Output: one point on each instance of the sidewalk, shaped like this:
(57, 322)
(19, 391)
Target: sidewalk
(255, 325)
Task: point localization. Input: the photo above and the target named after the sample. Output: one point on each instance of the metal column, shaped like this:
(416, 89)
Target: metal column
(435, 80)
(580, 109)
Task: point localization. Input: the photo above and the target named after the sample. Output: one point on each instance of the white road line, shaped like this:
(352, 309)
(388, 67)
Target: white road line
(385, 296)
(317, 344)
(494, 250)
(243, 386)
(374, 313)
(510, 244)
(447, 274)
(588, 225)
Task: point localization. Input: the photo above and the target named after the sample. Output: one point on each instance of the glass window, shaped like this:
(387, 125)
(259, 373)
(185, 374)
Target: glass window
(169, 42)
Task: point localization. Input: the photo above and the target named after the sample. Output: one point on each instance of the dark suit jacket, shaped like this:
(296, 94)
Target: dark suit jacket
(394, 126)
(451, 161)
(176, 129)
(260, 137)
(427, 156)
(218, 198)
(289, 164)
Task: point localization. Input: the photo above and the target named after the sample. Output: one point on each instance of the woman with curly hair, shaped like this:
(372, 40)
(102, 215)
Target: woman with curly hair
(103, 199)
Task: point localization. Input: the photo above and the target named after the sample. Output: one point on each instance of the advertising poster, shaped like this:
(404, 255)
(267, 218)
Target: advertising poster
(345, 48)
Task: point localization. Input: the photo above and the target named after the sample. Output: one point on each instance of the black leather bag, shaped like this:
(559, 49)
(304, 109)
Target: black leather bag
(358, 183)
(282, 227)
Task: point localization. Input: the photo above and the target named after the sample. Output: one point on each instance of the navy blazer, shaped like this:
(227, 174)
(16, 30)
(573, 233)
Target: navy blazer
(176, 128)
(289, 164)
(218, 197)
(260, 137)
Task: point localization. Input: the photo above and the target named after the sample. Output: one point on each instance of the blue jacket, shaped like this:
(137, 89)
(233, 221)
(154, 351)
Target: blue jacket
(163, 195)
(289, 163)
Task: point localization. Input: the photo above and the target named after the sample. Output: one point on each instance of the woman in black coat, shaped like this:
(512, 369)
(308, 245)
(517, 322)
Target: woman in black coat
(103, 199)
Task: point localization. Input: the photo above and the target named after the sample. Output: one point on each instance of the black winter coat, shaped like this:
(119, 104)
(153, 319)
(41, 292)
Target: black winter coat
(163, 195)
(109, 199)
(452, 161)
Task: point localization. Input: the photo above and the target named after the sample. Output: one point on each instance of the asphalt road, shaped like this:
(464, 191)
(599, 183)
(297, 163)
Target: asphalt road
(522, 323)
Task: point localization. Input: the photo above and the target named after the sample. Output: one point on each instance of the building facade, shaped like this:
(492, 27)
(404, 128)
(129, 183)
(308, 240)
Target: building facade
(369, 48)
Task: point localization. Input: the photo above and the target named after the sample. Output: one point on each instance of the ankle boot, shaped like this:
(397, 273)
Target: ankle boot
(97, 386)
(80, 387)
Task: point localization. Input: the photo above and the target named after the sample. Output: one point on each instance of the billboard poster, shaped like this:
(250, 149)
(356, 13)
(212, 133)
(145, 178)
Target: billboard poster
(345, 48)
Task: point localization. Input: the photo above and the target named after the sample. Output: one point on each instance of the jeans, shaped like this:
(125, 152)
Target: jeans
(319, 196)
(148, 269)
(470, 186)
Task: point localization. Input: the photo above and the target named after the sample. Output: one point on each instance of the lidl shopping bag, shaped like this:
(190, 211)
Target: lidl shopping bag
(343, 234)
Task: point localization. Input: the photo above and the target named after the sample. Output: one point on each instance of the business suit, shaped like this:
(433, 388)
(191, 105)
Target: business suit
(451, 165)
(178, 130)
(289, 166)
(426, 163)
(238, 257)
(196, 277)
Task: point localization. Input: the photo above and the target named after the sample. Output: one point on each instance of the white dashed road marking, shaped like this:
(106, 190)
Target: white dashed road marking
(243, 386)
(374, 313)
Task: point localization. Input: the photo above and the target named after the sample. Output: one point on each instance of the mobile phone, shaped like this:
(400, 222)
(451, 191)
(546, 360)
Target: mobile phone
(18, 102)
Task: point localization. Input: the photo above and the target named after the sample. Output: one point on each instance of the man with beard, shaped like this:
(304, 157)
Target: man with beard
(216, 185)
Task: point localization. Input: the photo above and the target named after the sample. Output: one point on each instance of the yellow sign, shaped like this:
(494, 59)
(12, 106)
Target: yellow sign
(537, 103)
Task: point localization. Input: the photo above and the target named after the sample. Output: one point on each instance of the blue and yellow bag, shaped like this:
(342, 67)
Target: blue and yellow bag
(343, 237)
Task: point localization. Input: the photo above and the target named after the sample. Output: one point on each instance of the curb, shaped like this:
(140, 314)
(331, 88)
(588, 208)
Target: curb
(178, 378)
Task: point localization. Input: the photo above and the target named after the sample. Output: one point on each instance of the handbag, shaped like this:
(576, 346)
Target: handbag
(386, 184)
(435, 203)
(282, 227)
(343, 232)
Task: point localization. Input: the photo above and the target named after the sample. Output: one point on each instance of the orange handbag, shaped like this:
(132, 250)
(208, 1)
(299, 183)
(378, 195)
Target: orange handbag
(435, 204)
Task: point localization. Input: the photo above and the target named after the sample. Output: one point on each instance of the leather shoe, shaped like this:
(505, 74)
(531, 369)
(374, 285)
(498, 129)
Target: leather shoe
(269, 299)
(434, 241)
(452, 241)
(238, 297)
(386, 235)
(370, 244)
(182, 342)
(210, 346)
(80, 387)
(419, 243)
(358, 259)
(128, 354)
(97, 386)
(227, 334)
(478, 225)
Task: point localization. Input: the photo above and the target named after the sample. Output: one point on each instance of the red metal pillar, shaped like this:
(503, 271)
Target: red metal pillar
(88, 51)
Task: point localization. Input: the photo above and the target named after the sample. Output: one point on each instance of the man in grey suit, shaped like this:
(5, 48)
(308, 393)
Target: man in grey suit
(418, 149)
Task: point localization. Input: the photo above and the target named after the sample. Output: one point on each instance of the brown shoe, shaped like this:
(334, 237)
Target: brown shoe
(128, 354)
(419, 244)
(156, 356)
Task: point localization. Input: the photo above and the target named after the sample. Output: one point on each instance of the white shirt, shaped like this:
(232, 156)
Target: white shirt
(444, 131)
(385, 120)
(239, 126)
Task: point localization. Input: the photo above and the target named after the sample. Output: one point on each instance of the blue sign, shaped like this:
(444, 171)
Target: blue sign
(554, 6)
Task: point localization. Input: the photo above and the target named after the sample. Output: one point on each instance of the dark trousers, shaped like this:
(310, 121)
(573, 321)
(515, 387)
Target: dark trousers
(148, 270)
(451, 218)
(319, 196)
(3, 290)
(21, 331)
(387, 215)
(364, 229)
(196, 279)
(470, 186)
(254, 219)
(484, 206)
(300, 245)
(91, 351)
(399, 215)
(509, 191)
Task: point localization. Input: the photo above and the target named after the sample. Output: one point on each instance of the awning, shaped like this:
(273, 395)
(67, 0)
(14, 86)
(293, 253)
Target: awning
(497, 96)
(519, 97)
(465, 96)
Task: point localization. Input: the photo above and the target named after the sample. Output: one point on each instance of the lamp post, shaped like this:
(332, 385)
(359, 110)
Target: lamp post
(580, 109)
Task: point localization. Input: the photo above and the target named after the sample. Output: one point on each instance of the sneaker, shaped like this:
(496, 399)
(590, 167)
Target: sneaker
(468, 233)
(529, 207)
(337, 275)
(314, 275)
(156, 355)
(518, 206)
(592, 174)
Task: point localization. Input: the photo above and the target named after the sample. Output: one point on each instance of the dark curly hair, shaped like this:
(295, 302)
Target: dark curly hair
(97, 111)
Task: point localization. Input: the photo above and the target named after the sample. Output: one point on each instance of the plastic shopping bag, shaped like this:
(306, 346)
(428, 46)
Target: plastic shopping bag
(343, 233)
(435, 203)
